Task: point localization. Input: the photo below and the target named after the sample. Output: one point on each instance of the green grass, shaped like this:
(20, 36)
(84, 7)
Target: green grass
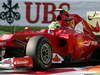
(18, 28)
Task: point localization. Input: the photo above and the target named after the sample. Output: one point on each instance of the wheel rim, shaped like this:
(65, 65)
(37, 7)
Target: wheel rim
(46, 53)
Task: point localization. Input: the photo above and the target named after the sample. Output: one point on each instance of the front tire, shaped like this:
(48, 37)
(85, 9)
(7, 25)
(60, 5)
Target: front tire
(40, 50)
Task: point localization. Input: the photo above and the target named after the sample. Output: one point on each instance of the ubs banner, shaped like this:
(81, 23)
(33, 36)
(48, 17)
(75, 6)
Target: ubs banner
(29, 12)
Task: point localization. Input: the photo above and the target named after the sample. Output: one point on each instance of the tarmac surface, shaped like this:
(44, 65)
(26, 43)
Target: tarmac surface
(82, 68)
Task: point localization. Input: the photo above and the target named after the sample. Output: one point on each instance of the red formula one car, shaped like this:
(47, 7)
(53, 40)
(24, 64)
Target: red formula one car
(63, 44)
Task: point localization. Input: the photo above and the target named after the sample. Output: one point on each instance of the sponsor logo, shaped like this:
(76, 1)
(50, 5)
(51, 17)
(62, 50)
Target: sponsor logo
(88, 43)
(21, 62)
(2, 43)
(9, 14)
(57, 58)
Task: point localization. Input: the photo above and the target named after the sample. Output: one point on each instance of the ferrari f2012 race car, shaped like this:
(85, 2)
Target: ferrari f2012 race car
(63, 44)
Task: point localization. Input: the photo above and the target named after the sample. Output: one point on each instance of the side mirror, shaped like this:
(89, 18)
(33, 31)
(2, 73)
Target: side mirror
(27, 29)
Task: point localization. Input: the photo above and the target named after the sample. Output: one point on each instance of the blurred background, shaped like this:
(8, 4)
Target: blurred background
(16, 14)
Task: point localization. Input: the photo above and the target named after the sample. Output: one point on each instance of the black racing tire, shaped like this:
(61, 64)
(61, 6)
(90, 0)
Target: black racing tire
(39, 48)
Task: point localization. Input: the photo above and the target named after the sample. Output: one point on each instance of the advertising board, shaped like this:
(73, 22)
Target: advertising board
(29, 12)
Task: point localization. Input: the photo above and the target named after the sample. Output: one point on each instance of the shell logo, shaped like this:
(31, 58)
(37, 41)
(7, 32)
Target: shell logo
(57, 58)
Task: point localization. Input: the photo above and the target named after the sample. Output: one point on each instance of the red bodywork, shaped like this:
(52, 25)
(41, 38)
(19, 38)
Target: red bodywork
(65, 41)
(13, 63)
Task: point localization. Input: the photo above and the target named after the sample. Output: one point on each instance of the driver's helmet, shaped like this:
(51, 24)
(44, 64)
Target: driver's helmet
(54, 25)
(64, 12)
(64, 15)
